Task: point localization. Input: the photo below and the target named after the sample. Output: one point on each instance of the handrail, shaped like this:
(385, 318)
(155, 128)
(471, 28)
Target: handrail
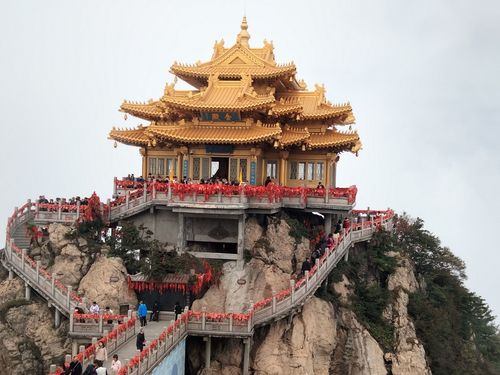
(62, 296)
(261, 312)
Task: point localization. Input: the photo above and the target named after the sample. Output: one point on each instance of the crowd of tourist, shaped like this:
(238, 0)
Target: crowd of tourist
(97, 366)
(137, 181)
(328, 241)
(65, 203)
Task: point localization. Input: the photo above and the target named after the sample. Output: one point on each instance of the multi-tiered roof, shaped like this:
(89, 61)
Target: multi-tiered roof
(241, 96)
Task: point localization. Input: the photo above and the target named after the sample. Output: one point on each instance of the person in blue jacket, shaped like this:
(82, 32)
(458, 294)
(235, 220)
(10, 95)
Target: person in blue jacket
(142, 312)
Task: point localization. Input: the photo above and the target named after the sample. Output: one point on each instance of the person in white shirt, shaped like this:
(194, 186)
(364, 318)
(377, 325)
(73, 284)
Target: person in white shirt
(94, 308)
(116, 365)
(101, 370)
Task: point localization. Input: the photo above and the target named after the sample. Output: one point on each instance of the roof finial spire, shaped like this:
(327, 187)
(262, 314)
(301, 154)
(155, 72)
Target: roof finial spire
(243, 36)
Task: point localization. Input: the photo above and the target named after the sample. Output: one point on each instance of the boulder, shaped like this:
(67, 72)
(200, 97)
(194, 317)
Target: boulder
(59, 235)
(106, 283)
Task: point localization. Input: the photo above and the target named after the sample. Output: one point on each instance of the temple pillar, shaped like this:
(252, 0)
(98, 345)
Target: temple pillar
(208, 350)
(11, 274)
(179, 166)
(334, 174)
(27, 292)
(74, 347)
(328, 223)
(180, 234)
(144, 154)
(246, 356)
(282, 167)
(57, 318)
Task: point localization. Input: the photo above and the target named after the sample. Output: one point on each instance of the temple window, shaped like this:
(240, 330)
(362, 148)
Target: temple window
(319, 171)
(152, 166)
(205, 168)
(196, 168)
(310, 170)
(272, 169)
(243, 169)
(233, 169)
(161, 166)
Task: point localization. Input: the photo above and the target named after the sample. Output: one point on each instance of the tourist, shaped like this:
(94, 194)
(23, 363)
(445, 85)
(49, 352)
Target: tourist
(155, 312)
(330, 242)
(75, 367)
(177, 310)
(306, 266)
(142, 312)
(101, 353)
(141, 339)
(101, 370)
(338, 227)
(108, 311)
(268, 181)
(116, 365)
(94, 308)
(91, 368)
(320, 185)
(347, 223)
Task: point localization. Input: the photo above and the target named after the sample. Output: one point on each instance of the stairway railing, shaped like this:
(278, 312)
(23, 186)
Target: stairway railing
(262, 312)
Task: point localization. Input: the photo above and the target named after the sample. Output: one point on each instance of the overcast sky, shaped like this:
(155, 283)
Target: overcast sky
(423, 78)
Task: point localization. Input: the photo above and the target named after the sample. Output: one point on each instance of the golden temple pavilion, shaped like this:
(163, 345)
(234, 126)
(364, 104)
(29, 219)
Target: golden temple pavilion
(246, 118)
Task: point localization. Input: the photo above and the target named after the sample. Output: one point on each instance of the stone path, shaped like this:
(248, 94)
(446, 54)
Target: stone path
(151, 331)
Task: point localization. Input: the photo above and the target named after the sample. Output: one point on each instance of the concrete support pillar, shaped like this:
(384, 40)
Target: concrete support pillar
(328, 223)
(346, 256)
(11, 274)
(57, 318)
(246, 356)
(208, 350)
(241, 238)
(180, 234)
(27, 291)
(74, 347)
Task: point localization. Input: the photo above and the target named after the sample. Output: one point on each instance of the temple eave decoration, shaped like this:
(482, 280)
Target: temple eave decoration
(132, 137)
(216, 134)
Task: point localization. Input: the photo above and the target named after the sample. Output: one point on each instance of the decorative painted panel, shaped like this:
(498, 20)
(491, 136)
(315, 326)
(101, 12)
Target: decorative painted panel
(220, 116)
(185, 167)
(253, 173)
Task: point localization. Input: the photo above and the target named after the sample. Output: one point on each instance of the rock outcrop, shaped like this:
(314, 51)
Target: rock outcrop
(106, 283)
(64, 254)
(409, 355)
(28, 341)
(303, 347)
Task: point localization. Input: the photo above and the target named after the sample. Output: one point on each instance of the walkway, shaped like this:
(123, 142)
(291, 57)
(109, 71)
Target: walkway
(163, 339)
(151, 331)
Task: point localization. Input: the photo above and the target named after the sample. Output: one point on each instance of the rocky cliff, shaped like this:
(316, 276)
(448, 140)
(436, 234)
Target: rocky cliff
(326, 337)
(29, 342)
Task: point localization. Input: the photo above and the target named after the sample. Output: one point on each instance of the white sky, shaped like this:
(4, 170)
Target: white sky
(423, 78)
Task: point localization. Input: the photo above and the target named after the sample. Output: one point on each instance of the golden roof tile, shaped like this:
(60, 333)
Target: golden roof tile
(133, 137)
(153, 110)
(238, 133)
(333, 138)
(292, 136)
(316, 107)
(221, 95)
(240, 59)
